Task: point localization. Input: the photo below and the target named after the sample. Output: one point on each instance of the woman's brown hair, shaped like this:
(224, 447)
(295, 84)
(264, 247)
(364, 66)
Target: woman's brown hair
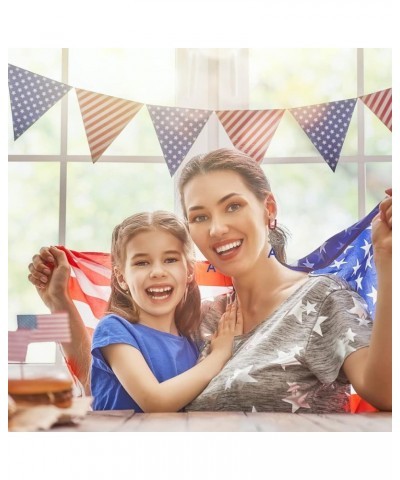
(187, 313)
(250, 172)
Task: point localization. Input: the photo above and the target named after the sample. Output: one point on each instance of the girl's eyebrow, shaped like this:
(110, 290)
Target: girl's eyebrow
(221, 200)
(166, 252)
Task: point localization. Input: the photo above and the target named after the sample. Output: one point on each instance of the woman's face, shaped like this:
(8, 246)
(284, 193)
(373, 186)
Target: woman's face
(226, 221)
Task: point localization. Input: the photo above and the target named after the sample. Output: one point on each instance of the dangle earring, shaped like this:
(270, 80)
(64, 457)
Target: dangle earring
(271, 227)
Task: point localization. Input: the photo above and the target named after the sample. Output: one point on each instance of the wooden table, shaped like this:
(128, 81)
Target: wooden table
(128, 421)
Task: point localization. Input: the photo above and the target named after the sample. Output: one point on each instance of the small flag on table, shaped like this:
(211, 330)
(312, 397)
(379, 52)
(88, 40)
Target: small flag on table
(18, 342)
(52, 327)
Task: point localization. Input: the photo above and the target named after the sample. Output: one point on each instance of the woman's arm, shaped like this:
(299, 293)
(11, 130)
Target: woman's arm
(171, 395)
(370, 369)
(49, 272)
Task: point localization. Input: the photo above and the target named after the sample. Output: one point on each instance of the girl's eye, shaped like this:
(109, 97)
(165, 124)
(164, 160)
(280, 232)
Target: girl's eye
(141, 264)
(171, 260)
(233, 207)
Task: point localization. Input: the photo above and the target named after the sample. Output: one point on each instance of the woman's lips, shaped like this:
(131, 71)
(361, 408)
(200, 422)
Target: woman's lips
(228, 249)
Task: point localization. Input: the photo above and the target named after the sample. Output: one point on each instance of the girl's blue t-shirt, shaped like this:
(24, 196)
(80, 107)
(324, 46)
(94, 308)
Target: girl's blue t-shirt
(166, 354)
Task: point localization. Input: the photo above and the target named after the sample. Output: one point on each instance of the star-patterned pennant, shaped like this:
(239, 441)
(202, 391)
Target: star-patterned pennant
(251, 131)
(104, 118)
(177, 129)
(31, 96)
(380, 103)
(326, 126)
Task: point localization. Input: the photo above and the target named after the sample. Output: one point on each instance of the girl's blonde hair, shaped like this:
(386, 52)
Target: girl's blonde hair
(250, 172)
(187, 314)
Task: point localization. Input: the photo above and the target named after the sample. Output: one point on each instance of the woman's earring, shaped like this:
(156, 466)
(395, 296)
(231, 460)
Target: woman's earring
(272, 224)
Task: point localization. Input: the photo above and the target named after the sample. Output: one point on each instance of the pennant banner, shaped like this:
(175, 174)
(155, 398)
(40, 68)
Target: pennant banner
(104, 118)
(31, 95)
(326, 126)
(251, 131)
(381, 104)
(177, 130)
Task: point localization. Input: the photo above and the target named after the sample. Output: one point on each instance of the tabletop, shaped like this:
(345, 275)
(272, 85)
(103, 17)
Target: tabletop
(129, 421)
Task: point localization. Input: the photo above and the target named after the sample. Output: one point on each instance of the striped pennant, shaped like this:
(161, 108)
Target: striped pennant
(380, 103)
(251, 131)
(104, 118)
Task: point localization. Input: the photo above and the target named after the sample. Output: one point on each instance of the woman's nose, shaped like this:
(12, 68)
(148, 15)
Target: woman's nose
(218, 227)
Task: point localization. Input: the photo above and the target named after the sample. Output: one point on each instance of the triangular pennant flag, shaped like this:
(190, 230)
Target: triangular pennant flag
(31, 96)
(381, 104)
(177, 129)
(326, 126)
(251, 131)
(104, 118)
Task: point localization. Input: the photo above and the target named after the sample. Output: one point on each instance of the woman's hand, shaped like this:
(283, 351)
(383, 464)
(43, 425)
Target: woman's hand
(50, 272)
(382, 229)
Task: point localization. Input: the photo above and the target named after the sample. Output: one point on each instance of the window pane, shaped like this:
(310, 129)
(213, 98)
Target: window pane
(43, 137)
(142, 75)
(288, 78)
(102, 195)
(33, 222)
(298, 190)
(379, 178)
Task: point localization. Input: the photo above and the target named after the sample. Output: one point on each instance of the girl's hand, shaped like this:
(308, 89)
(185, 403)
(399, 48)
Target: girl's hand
(230, 324)
(50, 272)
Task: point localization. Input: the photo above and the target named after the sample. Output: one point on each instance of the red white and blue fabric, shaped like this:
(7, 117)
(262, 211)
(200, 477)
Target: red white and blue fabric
(326, 126)
(177, 129)
(251, 131)
(381, 104)
(31, 96)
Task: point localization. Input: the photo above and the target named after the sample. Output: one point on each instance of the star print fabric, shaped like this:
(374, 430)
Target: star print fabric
(292, 361)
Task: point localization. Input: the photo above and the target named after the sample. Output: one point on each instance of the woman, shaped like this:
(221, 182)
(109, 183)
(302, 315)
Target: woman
(306, 339)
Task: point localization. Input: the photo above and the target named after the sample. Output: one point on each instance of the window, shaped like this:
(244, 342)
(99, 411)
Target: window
(58, 196)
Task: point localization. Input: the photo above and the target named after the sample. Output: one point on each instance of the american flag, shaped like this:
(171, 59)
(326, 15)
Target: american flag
(104, 118)
(53, 327)
(18, 342)
(251, 131)
(326, 126)
(347, 254)
(31, 96)
(177, 129)
(381, 104)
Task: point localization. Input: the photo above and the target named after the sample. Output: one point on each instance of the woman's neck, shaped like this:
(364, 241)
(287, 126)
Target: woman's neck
(263, 289)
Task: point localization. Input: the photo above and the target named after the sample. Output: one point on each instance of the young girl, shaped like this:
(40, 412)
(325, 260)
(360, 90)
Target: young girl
(143, 355)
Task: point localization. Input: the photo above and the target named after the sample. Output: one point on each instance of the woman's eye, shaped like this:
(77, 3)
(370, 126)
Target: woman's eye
(199, 219)
(233, 207)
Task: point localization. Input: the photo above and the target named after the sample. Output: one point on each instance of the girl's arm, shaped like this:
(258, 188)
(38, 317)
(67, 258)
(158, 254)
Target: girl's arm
(52, 286)
(370, 369)
(172, 395)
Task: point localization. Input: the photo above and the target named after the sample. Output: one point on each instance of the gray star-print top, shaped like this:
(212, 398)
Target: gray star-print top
(292, 361)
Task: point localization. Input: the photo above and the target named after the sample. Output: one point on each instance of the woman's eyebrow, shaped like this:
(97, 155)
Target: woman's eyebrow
(221, 200)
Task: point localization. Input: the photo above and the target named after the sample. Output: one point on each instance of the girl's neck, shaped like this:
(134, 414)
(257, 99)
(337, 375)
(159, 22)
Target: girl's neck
(166, 325)
(263, 289)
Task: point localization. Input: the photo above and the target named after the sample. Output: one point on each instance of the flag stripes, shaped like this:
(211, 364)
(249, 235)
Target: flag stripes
(104, 118)
(251, 131)
(380, 103)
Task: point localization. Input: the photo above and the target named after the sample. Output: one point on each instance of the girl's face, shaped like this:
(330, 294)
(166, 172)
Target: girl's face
(156, 273)
(227, 221)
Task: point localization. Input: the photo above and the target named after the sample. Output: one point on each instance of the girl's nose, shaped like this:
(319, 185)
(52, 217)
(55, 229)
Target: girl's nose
(157, 271)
